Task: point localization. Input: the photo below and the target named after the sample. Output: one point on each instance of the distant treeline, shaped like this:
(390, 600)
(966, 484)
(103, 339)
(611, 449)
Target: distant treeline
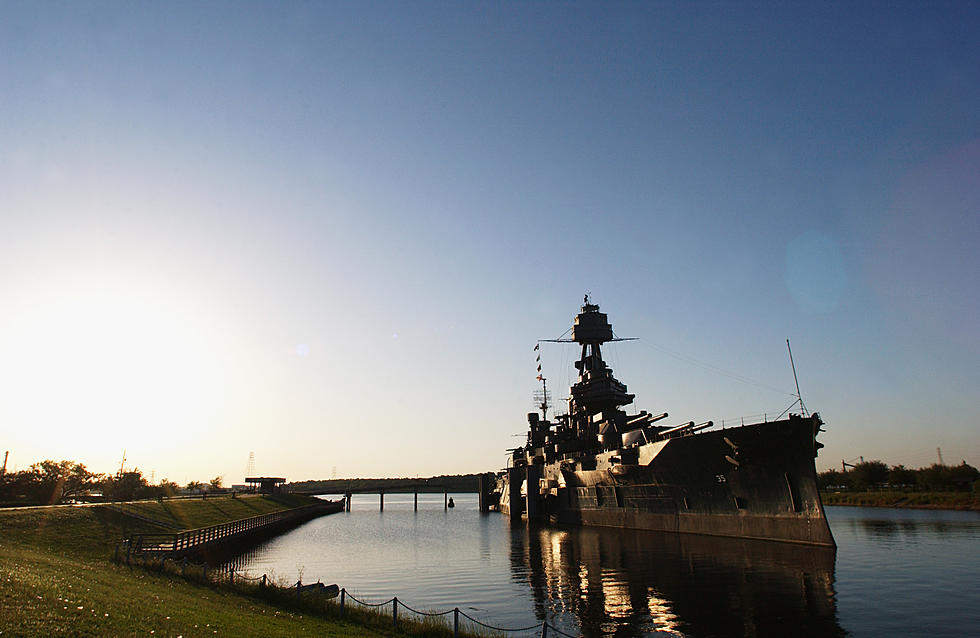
(52, 482)
(452, 483)
(875, 475)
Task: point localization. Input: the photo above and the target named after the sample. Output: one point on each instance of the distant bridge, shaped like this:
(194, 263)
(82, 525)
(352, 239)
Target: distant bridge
(398, 486)
(401, 487)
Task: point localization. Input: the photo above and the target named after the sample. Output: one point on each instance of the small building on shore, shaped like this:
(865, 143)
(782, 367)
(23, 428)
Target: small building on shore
(265, 484)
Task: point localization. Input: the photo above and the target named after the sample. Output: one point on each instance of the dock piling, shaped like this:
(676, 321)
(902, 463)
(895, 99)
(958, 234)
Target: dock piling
(481, 481)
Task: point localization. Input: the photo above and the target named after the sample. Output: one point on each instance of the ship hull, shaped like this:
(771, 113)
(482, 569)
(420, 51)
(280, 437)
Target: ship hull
(756, 481)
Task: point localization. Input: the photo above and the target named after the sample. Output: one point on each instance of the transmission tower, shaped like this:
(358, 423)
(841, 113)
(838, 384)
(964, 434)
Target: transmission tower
(250, 467)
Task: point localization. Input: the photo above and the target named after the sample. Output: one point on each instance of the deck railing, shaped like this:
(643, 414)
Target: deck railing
(193, 539)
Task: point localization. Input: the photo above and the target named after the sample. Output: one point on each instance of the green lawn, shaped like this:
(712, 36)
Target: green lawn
(194, 513)
(56, 578)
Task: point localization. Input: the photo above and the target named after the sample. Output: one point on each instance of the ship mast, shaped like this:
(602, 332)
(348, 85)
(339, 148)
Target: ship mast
(799, 396)
(596, 390)
(543, 404)
(544, 398)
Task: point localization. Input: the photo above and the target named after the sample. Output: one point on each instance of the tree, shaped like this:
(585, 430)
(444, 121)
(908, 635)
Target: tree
(831, 479)
(168, 488)
(216, 482)
(934, 477)
(962, 476)
(195, 486)
(868, 474)
(69, 479)
(126, 486)
(49, 482)
(901, 476)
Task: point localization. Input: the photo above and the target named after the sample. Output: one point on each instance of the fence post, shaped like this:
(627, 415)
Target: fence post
(231, 576)
(299, 583)
(204, 571)
(263, 580)
(394, 611)
(343, 596)
(544, 629)
(456, 622)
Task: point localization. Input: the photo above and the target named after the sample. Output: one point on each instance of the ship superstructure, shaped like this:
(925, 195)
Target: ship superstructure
(599, 465)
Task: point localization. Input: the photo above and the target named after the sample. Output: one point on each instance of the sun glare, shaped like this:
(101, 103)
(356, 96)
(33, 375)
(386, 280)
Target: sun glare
(86, 368)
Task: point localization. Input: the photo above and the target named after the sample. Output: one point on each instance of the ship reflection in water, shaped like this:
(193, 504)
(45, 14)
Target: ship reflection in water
(602, 582)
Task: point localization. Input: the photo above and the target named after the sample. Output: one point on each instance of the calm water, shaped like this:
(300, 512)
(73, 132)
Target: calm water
(896, 572)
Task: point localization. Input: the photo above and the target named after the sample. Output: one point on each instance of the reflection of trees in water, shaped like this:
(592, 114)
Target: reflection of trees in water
(630, 583)
(883, 527)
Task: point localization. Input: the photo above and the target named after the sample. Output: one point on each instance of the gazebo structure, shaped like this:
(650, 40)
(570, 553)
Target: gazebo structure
(265, 484)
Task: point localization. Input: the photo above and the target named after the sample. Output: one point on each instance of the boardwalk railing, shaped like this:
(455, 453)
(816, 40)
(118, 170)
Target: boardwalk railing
(195, 539)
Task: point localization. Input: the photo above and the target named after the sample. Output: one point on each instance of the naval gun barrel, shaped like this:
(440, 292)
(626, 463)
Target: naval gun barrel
(686, 428)
(678, 428)
(645, 419)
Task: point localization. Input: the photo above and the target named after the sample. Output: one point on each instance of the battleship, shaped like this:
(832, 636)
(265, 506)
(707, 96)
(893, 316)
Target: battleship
(596, 465)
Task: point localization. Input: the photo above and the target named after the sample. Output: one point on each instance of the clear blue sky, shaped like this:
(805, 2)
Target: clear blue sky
(331, 233)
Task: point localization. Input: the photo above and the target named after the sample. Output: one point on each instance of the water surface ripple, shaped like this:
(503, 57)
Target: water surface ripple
(896, 572)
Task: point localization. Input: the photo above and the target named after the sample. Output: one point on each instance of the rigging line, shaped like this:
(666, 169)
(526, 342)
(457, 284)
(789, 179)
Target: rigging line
(562, 335)
(800, 401)
(566, 377)
(722, 371)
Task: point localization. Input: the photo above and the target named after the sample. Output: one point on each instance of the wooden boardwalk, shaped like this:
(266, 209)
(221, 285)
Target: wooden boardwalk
(197, 540)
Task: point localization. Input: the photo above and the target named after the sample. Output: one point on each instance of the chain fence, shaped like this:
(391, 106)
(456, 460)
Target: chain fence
(545, 628)
(227, 574)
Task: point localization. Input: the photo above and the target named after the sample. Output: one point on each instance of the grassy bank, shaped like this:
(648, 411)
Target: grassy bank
(56, 578)
(914, 500)
(194, 513)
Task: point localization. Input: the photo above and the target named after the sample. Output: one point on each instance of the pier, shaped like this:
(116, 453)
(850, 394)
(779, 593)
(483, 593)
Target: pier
(396, 486)
(380, 491)
(207, 539)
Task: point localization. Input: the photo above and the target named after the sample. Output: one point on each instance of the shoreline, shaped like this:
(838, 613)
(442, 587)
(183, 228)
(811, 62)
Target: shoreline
(59, 578)
(953, 501)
